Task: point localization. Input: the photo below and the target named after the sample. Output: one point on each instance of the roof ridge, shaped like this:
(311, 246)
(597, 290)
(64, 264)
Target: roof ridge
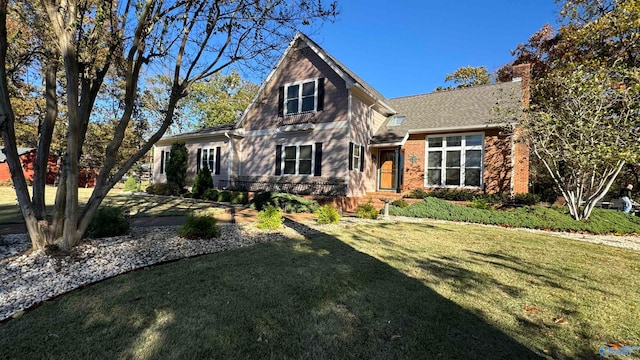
(453, 90)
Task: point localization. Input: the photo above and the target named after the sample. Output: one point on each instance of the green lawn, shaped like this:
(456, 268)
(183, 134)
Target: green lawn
(381, 291)
(139, 205)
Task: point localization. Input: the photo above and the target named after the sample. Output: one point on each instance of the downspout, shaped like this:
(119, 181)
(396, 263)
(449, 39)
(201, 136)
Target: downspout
(513, 160)
(231, 151)
(369, 136)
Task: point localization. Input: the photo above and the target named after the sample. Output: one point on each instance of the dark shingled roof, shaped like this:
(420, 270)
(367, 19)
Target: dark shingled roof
(21, 151)
(204, 131)
(461, 108)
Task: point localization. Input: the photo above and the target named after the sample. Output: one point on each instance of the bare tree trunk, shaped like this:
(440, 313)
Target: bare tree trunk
(44, 141)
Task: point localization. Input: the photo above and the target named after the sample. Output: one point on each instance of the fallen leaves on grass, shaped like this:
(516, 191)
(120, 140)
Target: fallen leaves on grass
(617, 345)
(531, 309)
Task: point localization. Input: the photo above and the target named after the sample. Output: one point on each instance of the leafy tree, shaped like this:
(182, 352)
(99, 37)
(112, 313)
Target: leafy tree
(219, 99)
(467, 76)
(177, 165)
(583, 123)
(106, 47)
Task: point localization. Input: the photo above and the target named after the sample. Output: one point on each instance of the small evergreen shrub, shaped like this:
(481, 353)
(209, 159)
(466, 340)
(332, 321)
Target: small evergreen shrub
(131, 185)
(108, 221)
(163, 189)
(526, 199)
(238, 197)
(211, 195)
(417, 194)
(327, 214)
(454, 195)
(199, 227)
(224, 196)
(269, 218)
(287, 202)
(480, 204)
(400, 203)
(366, 211)
(202, 182)
(176, 167)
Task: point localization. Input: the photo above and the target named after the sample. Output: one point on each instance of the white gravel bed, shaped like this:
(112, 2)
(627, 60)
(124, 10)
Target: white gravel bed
(33, 277)
(28, 278)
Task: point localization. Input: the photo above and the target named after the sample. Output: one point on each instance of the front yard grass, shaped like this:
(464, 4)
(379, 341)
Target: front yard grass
(375, 291)
(138, 205)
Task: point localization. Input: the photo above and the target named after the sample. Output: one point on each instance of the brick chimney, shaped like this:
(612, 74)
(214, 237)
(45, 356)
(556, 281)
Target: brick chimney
(522, 73)
(520, 154)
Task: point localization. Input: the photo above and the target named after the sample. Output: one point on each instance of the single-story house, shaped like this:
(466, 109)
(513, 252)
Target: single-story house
(315, 127)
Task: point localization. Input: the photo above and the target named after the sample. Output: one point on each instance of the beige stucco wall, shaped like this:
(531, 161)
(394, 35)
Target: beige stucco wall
(259, 152)
(361, 128)
(192, 151)
(298, 66)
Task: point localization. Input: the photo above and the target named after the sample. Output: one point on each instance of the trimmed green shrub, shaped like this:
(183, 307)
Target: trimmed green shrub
(165, 189)
(400, 203)
(287, 202)
(269, 218)
(366, 211)
(327, 214)
(108, 221)
(480, 204)
(417, 194)
(131, 184)
(224, 196)
(455, 195)
(526, 199)
(199, 227)
(238, 197)
(211, 195)
(602, 221)
(202, 182)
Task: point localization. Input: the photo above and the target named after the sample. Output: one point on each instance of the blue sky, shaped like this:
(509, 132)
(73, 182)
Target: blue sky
(406, 47)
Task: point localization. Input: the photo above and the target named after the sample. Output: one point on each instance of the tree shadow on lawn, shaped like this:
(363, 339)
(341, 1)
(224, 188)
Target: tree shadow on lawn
(312, 297)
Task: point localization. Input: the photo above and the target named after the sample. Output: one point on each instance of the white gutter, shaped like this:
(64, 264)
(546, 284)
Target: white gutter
(457, 128)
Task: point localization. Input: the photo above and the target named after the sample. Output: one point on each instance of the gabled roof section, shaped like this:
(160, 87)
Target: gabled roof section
(454, 110)
(300, 41)
(21, 151)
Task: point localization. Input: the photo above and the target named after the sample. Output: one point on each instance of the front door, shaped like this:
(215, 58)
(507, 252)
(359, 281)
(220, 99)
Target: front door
(388, 169)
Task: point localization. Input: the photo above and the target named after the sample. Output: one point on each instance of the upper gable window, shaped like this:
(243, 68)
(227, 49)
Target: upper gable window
(301, 97)
(397, 121)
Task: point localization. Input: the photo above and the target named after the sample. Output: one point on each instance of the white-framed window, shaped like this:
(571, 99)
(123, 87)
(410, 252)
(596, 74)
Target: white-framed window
(297, 159)
(164, 160)
(454, 160)
(357, 156)
(207, 157)
(301, 97)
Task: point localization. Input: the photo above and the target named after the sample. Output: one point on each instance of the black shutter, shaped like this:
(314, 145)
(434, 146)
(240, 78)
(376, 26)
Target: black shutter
(198, 158)
(217, 160)
(278, 159)
(317, 168)
(281, 101)
(362, 158)
(162, 162)
(320, 106)
(350, 156)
